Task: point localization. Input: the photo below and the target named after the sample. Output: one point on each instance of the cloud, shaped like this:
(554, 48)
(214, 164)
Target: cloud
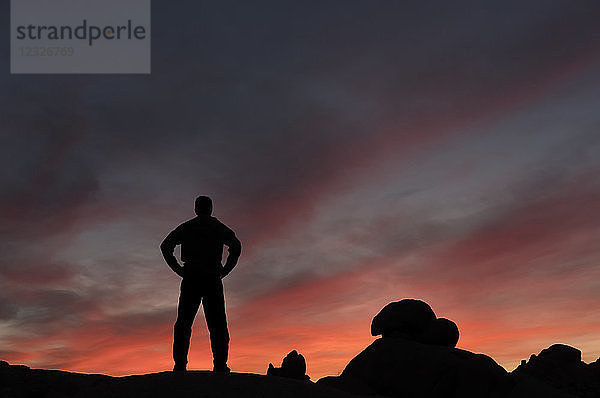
(36, 274)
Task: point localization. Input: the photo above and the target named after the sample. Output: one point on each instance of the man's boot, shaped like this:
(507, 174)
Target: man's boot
(221, 368)
(180, 367)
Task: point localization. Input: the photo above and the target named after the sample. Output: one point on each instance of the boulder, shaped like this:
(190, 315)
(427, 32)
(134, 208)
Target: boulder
(399, 367)
(293, 366)
(561, 353)
(416, 357)
(405, 318)
(552, 363)
(441, 331)
(561, 367)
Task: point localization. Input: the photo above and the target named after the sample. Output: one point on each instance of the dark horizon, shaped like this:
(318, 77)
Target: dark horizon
(442, 151)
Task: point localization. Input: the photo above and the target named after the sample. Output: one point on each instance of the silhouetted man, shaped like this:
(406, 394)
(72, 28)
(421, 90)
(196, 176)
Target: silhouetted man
(201, 239)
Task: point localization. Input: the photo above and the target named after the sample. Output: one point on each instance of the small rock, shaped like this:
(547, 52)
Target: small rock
(292, 366)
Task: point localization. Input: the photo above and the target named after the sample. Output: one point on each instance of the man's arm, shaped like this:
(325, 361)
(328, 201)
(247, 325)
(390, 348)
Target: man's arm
(235, 249)
(167, 247)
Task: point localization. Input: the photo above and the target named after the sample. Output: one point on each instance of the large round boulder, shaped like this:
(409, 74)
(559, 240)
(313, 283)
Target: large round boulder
(404, 318)
(441, 331)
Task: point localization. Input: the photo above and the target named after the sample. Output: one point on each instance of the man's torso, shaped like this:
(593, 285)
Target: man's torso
(202, 240)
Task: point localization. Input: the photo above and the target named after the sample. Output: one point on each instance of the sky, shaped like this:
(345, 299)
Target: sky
(362, 151)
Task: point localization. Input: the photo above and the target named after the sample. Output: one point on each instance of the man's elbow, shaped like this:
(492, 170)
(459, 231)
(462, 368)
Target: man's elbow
(165, 248)
(236, 248)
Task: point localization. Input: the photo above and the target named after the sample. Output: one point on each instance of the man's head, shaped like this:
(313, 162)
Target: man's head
(203, 206)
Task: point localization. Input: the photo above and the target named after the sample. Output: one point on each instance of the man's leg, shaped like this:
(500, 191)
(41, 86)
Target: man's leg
(189, 301)
(216, 320)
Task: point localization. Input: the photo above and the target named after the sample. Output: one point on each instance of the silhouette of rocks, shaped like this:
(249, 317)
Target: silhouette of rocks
(416, 357)
(441, 331)
(292, 366)
(405, 318)
(561, 366)
(22, 382)
(399, 367)
(561, 353)
(414, 320)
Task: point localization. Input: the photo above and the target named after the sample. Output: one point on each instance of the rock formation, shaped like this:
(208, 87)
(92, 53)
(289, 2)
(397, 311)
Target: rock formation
(561, 367)
(441, 331)
(405, 318)
(293, 366)
(416, 357)
(414, 320)
(399, 367)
